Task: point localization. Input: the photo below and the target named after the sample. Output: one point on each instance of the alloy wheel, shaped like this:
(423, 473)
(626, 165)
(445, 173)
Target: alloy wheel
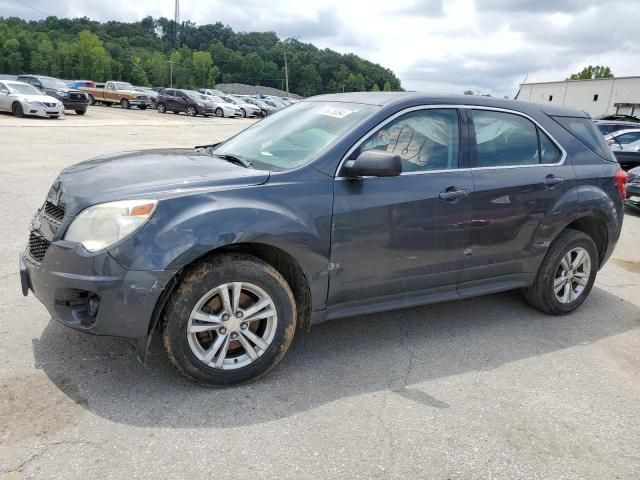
(572, 275)
(232, 325)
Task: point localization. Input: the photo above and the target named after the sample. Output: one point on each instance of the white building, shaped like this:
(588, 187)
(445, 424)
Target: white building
(598, 97)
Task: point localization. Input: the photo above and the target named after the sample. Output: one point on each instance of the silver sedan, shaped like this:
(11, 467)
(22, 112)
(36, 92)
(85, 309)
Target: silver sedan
(23, 99)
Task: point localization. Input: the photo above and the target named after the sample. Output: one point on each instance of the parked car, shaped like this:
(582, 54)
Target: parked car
(222, 107)
(265, 108)
(625, 145)
(118, 93)
(618, 117)
(82, 83)
(607, 127)
(211, 91)
(633, 189)
(189, 102)
(247, 109)
(151, 93)
(23, 99)
(339, 205)
(71, 98)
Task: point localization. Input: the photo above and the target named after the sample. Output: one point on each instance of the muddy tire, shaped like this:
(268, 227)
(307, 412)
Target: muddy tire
(566, 275)
(230, 321)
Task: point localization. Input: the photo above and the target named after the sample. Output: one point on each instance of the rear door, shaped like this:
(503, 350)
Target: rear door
(398, 240)
(519, 173)
(181, 101)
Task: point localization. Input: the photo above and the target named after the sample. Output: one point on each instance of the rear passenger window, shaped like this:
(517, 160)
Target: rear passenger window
(504, 139)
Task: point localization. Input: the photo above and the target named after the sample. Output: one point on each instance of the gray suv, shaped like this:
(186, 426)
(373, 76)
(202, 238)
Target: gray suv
(336, 206)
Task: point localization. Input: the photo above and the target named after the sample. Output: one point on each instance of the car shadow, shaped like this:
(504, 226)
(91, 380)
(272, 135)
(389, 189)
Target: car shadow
(339, 359)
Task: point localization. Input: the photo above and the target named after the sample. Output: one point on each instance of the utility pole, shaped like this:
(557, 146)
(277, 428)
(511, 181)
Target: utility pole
(286, 68)
(170, 62)
(176, 21)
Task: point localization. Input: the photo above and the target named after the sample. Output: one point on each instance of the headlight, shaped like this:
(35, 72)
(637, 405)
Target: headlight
(63, 94)
(102, 225)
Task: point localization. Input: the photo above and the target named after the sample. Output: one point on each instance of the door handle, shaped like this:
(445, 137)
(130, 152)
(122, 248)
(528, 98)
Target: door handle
(551, 181)
(452, 194)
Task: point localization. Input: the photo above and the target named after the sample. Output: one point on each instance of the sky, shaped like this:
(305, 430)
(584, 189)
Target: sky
(449, 46)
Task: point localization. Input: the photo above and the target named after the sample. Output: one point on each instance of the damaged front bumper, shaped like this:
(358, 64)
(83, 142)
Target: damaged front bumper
(92, 292)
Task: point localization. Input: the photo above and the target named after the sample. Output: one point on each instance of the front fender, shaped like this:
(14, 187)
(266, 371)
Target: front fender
(294, 217)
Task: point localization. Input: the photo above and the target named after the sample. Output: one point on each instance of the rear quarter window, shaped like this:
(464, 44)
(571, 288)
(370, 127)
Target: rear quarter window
(585, 130)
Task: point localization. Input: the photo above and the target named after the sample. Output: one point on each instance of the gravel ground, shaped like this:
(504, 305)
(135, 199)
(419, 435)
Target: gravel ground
(478, 389)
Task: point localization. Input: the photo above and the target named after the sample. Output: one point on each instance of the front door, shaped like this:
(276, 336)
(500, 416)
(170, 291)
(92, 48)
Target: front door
(396, 241)
(519, 174)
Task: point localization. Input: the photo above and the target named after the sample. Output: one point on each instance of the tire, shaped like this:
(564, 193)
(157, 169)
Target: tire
(92, 101)
(142, 107)
(80, 112)
(162, 108)
(542, 295)
(275, 332)
(219, 112)
(244, 112)
(192, 111)
(124, 103)
(17, 110)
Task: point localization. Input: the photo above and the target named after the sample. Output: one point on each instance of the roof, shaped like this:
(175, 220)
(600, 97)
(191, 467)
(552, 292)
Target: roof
(13, 82)
(408, 99)
(582, 80)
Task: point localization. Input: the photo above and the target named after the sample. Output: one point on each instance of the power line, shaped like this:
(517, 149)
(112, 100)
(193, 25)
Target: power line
(33, 8)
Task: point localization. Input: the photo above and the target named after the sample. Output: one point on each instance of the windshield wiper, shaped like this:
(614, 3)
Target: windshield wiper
(234, 159)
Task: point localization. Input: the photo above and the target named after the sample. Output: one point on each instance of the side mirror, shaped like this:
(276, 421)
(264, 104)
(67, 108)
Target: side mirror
(373, 163)
(4, 92)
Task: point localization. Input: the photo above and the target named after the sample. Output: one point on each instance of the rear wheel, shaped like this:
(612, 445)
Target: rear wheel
(124, 103)
(230, 321)
(17, 110)
(566, 275)
(162, 108)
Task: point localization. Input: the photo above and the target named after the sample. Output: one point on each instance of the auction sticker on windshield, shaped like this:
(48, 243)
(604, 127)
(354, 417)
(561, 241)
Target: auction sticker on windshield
(335, 112)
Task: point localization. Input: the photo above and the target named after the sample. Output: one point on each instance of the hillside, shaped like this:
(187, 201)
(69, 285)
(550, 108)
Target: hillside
(140, 53)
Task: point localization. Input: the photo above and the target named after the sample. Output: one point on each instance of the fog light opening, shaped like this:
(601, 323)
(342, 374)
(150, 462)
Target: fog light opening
(93, 304)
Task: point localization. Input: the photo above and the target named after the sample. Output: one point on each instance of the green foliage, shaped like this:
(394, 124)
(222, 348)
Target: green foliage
(140, 52)
(591, 72)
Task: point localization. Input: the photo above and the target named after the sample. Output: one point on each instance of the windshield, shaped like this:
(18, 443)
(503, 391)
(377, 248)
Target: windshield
(123, 86)
(230, 100)
(53, 83)
(296, 135)
(24, 89)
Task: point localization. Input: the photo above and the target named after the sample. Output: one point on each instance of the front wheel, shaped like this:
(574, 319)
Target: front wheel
(192, 111)
(17, 110)
(80, 112)
(231, 320)
(219, 112)
(142, 107)
(92, 100)
(124, 103)
(244, 112)
(566, 275)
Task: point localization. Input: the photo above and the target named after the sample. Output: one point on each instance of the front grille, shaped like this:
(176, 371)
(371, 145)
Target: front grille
(53, 211)
(141, 97)
(633, 178)
(77, 96)
(38, 246)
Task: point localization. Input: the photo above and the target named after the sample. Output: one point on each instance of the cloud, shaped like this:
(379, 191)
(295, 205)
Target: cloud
(433, 45)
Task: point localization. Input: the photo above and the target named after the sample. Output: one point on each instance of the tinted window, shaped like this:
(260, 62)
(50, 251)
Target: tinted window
(585, 131)
(425, 140)
(504, 139)
(549, 152)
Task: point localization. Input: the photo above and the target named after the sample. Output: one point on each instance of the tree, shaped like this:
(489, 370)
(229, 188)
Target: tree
(468, 92)
(310, 80)
(202, 63)
(11, 57)
(591, 72)
(375, 88)
(387, 87)
(137, 75)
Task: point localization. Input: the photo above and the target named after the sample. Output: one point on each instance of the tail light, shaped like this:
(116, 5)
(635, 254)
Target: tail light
(621, 183)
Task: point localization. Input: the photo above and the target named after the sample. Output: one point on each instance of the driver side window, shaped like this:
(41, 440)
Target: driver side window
(425, 140)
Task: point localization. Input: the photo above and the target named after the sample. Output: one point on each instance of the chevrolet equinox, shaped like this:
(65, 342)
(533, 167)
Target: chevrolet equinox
(336, 206)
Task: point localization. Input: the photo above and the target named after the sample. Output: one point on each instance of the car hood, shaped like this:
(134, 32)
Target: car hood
(149, 173)
(38, 98)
